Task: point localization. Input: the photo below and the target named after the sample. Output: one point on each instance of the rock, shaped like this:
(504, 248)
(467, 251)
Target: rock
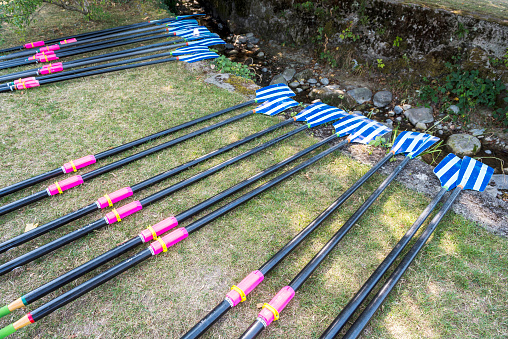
(253, 40)
(488, 151)
(454, 109)
(382, 98)
(398, 119)
(278, 79)
(294, 84)
(264, 69)
(312, 81)
(324, 81)
(463, 144)
(389, 121)
(220, 80)
(360, 95)
(241, 39)
(315, 101)
(406, 107)
(391, 113)
(440, 132)
(305, 87)
(477, 131)
(303, 75)
(332, 95)
(358, 112)
(288, 73)
(249, 35)
(260, 55)
(232, 52)
(421, 126)
(420, 114)
(501, 181)
(299, 90)
(229, 46)
(250, 46)
(398, 109)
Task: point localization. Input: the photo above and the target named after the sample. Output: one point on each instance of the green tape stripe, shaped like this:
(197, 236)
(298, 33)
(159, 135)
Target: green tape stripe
(7, 331)
(4, 311)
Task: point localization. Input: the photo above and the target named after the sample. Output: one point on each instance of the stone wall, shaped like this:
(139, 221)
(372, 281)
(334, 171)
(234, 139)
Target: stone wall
(424, 35)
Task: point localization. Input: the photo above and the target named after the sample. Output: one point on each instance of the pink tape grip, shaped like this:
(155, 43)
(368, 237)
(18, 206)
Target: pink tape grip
(78, 163)
(65, 184)
(26, 84)
(68, 41)
(34, 44)
(51, 68)
(47, 58)
(169, 240)
(50, 48)
(247, 285)
(19, 81)
(123, 212)
(278, 302)
(116, 196)
(159, 228)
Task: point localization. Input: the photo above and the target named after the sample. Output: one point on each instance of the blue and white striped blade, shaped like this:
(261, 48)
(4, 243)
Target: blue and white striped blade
(412, 143)
(198, 57)
(273, 92)
(200, 37)
(189, 50)
(181, 17)
(310, 111)
(366, 133)
(329, 113)
(447, 171)
(197, 31)
(207, 42)
(275, 106)
(182, 28)
(349, 124)
(183, 22)
(474, 175)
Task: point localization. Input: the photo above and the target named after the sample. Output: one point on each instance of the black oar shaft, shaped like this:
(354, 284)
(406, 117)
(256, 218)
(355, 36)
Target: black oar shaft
(336, 326)
(362, 321)
(221, 309)
(104, 169)
(118, 149)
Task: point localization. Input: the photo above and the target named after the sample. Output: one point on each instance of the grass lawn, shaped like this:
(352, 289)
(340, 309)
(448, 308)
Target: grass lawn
(455, 289)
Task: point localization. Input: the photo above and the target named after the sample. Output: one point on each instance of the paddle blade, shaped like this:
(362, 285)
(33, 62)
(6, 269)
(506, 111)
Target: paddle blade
(181, 28)
(190, 50)
(181, 17)
(183, 22)
(273, 92)
(474, 175)
(447, 171)
(349, 124)
(368, 132)
(207, 42)
(187, 33)
(412, 143)
(328, 113)
(201, 36)
(275, 106)
(310, 111)
(198, 57)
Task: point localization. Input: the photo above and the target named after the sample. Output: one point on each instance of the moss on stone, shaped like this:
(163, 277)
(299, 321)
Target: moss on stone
(241, 85)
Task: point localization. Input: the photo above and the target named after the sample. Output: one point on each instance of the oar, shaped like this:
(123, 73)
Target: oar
(159, 228)
(60, 187)
(417, 144)
(52, 70)
(239, 292)
(263, 94)
(163, 243)
(472, 175)
(109, 199)
(36, 44)
(447, 171)
(202, 40)
(133, 207)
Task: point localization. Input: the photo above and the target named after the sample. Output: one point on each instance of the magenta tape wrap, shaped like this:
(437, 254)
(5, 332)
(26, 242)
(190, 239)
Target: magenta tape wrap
(78, 163)
(116, 196)
(20, 81)
(169, 240)
(51, 68)
(247, 285)
(68, 41)
(40, 55)
(27, 84)
(50, 48)
(123, 212)
(34, 44)
(47, 58)
(159, 228)
(278, 302)
(65, 184)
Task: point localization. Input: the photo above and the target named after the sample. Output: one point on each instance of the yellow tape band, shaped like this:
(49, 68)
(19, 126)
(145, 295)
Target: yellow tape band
(109, 200)
(117, 215)
(58, 188)
(153, 232)
(239, 290)
(274, 311)
(163, 244)
(72, 164)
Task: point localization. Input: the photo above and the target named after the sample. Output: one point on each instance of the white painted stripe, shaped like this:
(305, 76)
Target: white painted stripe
(378, 132)
(349, 119)
(452, 180)
(400, 142)
(467, 173)
(308, 110)
(414, 143)
(447, 167)
(361, 130)
(348, 129)
(480, 178)
(323, 111)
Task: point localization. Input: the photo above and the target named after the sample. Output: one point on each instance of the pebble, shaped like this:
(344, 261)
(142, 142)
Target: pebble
(250, 46)
(477, 131)
(232, 52)
(398, 110)
(406, 107)
(358, 112)
(454, 108)
(229, 46)
(294, 84)
(398, 119)
(389, 121)
(325, 81)
(463, 144)
(264, 69)
(361, 95)
(288, 73)
(488, 151)
(241, 39)
(249, 35)
(314, 101)
(391, 113)
(421, 126)
(299, 90)
(440, 132)
(312, 81)
(260, 55)
(382, 98)
(253, 40)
